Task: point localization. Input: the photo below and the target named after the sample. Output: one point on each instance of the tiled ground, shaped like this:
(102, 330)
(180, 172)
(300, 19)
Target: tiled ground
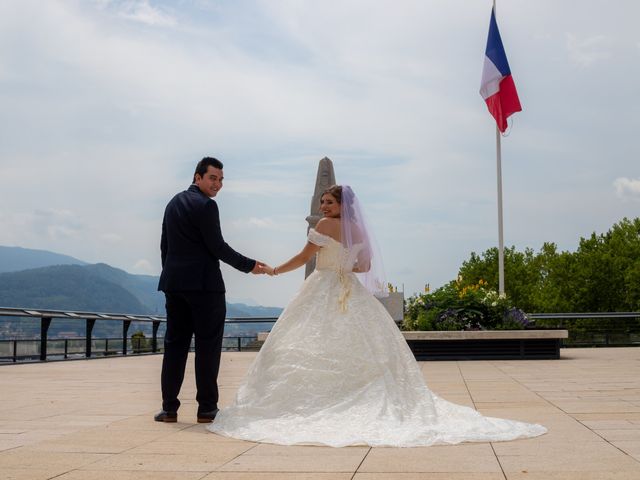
(90, 420)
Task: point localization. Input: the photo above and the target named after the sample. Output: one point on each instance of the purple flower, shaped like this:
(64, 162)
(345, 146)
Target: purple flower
(517, 316)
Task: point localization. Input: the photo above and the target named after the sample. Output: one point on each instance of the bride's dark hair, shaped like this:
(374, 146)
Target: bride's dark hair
(335, 191)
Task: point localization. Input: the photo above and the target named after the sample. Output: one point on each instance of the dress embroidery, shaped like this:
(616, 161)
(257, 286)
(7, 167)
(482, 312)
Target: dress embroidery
(333, 256)
(333, 377)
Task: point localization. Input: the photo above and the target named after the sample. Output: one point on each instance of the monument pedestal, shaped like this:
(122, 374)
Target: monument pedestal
(394, 303)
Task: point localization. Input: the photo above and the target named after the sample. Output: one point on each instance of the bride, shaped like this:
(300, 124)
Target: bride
(335, 369)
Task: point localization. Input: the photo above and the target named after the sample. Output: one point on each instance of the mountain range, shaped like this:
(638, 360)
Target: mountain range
(42, 279)
(13, 259)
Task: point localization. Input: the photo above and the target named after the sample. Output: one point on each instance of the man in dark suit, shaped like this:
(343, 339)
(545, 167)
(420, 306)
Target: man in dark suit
(192, 247)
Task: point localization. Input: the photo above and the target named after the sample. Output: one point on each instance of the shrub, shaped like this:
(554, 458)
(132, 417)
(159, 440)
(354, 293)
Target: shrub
(456, 306)
(140, 343)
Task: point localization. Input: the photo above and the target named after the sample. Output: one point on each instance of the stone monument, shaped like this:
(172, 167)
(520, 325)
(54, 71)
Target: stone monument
(324, 179)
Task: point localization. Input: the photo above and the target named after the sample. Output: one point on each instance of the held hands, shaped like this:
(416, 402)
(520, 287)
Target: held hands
(261, 268)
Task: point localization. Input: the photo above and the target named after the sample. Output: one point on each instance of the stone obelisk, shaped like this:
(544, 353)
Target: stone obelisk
(324, 179)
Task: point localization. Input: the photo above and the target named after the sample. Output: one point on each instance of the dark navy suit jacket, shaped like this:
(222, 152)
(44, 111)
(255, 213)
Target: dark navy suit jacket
(192, 245)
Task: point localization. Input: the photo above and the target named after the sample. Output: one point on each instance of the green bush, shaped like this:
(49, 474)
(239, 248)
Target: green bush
(140, 343)
(456, 306)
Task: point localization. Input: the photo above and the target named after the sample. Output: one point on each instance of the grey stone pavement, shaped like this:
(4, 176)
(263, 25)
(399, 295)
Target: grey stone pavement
(92, 419)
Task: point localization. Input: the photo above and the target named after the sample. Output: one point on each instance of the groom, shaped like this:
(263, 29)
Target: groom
(191, 248)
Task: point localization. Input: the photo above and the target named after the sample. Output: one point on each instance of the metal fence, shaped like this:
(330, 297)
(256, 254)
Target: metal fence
(46, 348)
(585, 330)
(593, 329)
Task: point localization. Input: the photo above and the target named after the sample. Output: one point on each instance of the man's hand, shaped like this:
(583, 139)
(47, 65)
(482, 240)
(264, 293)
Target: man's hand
(262, 268)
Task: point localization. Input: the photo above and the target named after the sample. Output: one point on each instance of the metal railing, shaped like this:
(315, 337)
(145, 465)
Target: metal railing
(90, 346)
(593, 329)
(585, 329)
(579, 315)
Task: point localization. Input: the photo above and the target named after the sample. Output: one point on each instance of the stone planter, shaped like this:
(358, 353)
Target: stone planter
(482, 344)
(486, 344)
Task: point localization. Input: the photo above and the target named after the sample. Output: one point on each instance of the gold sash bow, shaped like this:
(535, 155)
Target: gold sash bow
(345, 282)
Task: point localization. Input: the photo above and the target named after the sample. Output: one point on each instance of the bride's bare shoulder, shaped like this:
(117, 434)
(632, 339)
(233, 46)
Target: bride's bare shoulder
(330, 227)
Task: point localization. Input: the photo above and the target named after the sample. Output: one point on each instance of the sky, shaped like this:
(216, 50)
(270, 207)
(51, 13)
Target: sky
(106, 106)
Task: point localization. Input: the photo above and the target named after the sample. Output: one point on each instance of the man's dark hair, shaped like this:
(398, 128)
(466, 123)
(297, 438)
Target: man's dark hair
(204, 164)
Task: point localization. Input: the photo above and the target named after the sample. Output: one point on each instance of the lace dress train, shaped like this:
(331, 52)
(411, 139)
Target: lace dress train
(335, 370)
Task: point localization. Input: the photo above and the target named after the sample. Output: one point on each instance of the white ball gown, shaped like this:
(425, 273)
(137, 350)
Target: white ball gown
(335, 370)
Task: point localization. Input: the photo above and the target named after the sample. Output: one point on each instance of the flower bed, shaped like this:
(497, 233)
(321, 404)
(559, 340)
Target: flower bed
(456, 306)
(468, 322)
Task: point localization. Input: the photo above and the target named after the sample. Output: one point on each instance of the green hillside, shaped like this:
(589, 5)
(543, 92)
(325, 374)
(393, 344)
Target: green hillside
(66, 287)
(94, 288)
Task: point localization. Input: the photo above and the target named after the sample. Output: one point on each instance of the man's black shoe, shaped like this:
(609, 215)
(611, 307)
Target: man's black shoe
(207, 417)
(166, 417)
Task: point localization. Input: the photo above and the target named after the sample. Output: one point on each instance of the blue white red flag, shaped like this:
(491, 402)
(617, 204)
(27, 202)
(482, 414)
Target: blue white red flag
(497, 87)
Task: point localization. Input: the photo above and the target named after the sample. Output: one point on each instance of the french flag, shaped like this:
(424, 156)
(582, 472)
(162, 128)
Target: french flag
(497, 87)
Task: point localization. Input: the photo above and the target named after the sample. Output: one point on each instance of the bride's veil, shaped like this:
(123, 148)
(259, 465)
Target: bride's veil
(355, 230)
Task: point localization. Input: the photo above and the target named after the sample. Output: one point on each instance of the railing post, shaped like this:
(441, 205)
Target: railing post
(15, 351)
(154, 337)
(125, 330)
(45, 322)
(66, 347)
(106, 347)
(87, 347)
(239, 344)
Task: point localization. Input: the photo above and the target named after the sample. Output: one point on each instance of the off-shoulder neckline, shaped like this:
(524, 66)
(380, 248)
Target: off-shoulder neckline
(324, 235)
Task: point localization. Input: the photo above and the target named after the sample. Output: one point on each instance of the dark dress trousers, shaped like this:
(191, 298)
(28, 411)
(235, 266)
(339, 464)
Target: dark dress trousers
(192, 247)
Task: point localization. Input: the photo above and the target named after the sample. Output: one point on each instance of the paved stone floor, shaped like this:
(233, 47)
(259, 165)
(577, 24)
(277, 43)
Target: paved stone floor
(90, 420)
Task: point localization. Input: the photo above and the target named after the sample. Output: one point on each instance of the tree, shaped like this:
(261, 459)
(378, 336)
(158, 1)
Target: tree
(521, 272)
(139, 342)
(602, 275)
(554, 291)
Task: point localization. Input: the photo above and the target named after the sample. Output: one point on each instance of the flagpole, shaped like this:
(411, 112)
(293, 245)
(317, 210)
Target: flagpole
(500, 224)
(500, 227)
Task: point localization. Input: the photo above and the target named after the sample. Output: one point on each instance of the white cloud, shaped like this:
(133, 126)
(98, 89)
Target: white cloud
(105, 119)
(585, 52)
(41, 227)
(627, 188)
(141, 11)
(261, 187)
(111, 237)
(56, 224)
(144, 267)
(253, 222)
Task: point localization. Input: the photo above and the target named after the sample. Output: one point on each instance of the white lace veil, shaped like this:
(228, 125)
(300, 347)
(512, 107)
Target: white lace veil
(355, 230)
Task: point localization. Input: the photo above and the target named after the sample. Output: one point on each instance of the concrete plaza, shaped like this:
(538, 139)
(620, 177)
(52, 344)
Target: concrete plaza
(90, 420)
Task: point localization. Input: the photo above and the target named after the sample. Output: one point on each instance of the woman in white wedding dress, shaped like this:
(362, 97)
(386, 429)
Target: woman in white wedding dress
(335, 369)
